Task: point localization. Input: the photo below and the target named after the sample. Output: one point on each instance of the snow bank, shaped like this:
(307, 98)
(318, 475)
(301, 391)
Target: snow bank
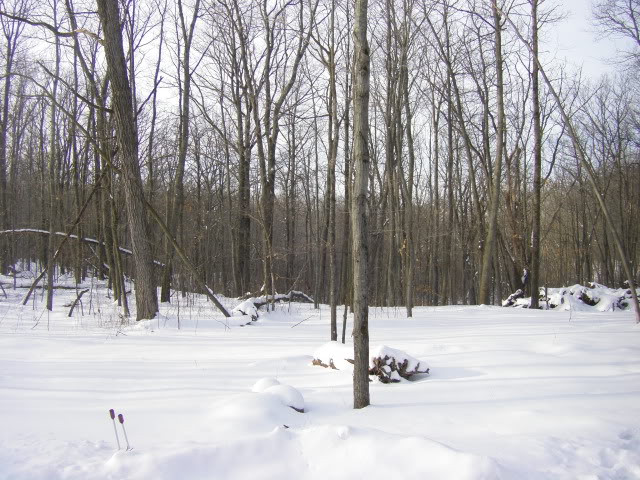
(285, 452)
(537, 398)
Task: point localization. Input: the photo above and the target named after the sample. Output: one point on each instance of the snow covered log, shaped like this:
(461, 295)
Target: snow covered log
(593, 297)
(513, 298)
(251, 305)
(390, 365)
(292, 296)
(90, 241)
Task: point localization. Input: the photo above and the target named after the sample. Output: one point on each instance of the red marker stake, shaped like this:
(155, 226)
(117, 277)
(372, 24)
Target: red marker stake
(121, 420)
(113, 419)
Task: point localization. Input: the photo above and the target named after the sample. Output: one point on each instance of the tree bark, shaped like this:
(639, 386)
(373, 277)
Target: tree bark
(177, 199)
(146, 294)
(537, 161)
(484, 293)
(359, 208)
(53, 159)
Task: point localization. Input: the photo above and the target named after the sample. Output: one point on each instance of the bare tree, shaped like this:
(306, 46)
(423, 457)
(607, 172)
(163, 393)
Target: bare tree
(537, 159)
(176, 200)
(12, 32)
(359, 219)
(146, 296)
(591, 175)
(484, 294)
(620, 18)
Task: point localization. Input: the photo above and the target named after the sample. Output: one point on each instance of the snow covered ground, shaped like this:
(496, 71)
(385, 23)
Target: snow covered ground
(512, 394)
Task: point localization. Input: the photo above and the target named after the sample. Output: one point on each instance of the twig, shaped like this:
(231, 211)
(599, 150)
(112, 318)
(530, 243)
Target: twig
(301, 321)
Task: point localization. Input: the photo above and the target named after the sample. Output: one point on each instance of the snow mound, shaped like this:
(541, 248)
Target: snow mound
(335, 355)
(288, 395)
(381, 455)
(390, 365)
(264, 383)
(249, 414)
(246, 308)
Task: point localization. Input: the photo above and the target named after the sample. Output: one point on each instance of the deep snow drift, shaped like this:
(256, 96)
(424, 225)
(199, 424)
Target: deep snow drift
(512, 394)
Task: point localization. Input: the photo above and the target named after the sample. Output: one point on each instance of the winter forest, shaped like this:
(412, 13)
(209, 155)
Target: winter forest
(241, 120)
(198, 196)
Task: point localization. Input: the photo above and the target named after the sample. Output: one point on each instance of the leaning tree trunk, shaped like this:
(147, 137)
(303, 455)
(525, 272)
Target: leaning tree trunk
(359, 208)
(146, 295)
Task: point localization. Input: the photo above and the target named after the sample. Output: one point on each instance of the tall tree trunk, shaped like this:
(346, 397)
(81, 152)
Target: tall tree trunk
(408, 248)
(146, 295)
(537, 161)
(154, 111)
(359, 208)
(53, 159)
(484, 294)
(334, 129)
(12, 31)
(177, 199)
(4, 127)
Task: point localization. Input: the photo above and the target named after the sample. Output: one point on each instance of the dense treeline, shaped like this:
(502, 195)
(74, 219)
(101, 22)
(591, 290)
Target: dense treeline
(242, 123)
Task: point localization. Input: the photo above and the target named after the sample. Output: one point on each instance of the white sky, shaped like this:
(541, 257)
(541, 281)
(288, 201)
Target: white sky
(576, 40)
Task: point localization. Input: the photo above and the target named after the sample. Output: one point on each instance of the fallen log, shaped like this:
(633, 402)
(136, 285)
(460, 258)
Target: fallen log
(251, 305)
(292, 296)
(90, 241)
(55, 287)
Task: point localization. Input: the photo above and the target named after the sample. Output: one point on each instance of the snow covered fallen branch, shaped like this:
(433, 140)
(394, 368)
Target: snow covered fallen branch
(91, 241)
(593, 297)
(252, 304)
(390, 365)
